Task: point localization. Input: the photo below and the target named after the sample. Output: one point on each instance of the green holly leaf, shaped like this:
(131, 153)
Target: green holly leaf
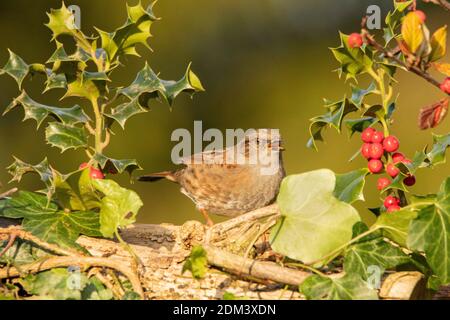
(314, 222)
(55, 81)
(437, 153)
(396, 226)
(16, 68)
(116, 166)
(60, 55)
(333, 118)
(196, 263)
(349, 186)
(359, 94)
(354, 61)
(429, 233)
(64, 136)
(358, 125)
(61, 21)
(377, 252)
(45, 220)
(393, 19)
(126, 110)
(39, 112)
(119, 206)
(349, 287)
(135, 31)
(85, 88)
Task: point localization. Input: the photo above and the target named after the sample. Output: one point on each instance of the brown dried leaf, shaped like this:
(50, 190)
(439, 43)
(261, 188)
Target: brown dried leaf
(431, 116)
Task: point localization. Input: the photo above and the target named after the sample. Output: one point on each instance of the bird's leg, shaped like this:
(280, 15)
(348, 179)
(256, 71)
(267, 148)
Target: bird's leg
(209, 222)
(10, 243)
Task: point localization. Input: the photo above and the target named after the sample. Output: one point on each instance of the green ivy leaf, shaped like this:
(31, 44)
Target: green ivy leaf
(116, 166)
(44, 219)
(349, 186)
(196, 263)
(39, 112)
(314, 222)
(64, 136)
(119, 206)
(16, 68)
(135, 31)
(354, 61)
(349, 287)
(396, 226)
(61, 21)
(21, 252)
(429, 233)
(333, 118)
(377, 252)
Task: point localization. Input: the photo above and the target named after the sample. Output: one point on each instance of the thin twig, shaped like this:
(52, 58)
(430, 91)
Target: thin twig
(443, 3)
(8, 193)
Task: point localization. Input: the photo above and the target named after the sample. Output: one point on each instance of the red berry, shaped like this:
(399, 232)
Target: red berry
(355, 40)
(376, 151)
(409, 181)
(445, 85)
(366, 135)
(398, 157)
(393, 208)
(391, 144)
(365, 150)
(383, 183)
(83, 166)
(377, 137)
(96, 174)
(392, 170)
(375, 166)
(391, 201)
(406, 161)
(421, 15)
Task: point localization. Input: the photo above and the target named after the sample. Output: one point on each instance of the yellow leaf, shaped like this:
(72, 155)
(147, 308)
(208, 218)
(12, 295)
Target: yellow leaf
(438, 44)
(412, 32)
(443, 68)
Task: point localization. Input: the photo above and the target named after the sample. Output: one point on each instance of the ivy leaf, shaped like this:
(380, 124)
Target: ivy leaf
(349, 287)
(135, 31)
(396, 226)
(354, 61)
(64, 136)
(119, 206)
(147, 85)
(377, 252)
(116, 166)
(429, 233)
(349, 186)
(126, 110)
(196, 263)
(314, 222)
(333, 118)
(437, 153)
(412, 32)
(22, 252)
(39, 112)
(16, 68)
(61, 21)
(44, 219)
(438, 44)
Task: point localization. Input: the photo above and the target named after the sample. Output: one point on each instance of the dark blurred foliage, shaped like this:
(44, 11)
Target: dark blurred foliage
(264, 63)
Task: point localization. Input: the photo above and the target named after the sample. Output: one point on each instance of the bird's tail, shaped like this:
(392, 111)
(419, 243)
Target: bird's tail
(169, 175)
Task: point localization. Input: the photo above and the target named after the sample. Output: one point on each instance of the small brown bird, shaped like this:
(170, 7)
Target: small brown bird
(232, 181)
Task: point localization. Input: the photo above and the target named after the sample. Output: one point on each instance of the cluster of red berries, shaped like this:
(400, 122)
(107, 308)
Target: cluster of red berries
(94, 173)
(374, 147)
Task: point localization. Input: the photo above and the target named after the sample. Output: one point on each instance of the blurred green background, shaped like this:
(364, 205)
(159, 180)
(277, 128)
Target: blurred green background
(264, 63)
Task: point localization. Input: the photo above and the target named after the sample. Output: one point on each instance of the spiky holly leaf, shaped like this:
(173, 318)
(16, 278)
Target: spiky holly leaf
(358, 125)
(359, 94)
(354, 61)
(16, 68)
(135, 31)
(77, 86)
(55, 81)
(60, 55)
(110, 165)
(348, 287)
(377, 252)
(147, 82)
(437, 153)
(393, 19)
(333, 118)
(39, 112)
(46, 221)
(429, 233)
(19, 168)
(64, 136)
(119, 206)
(61, 21)
(349, 186)
(126, 110)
